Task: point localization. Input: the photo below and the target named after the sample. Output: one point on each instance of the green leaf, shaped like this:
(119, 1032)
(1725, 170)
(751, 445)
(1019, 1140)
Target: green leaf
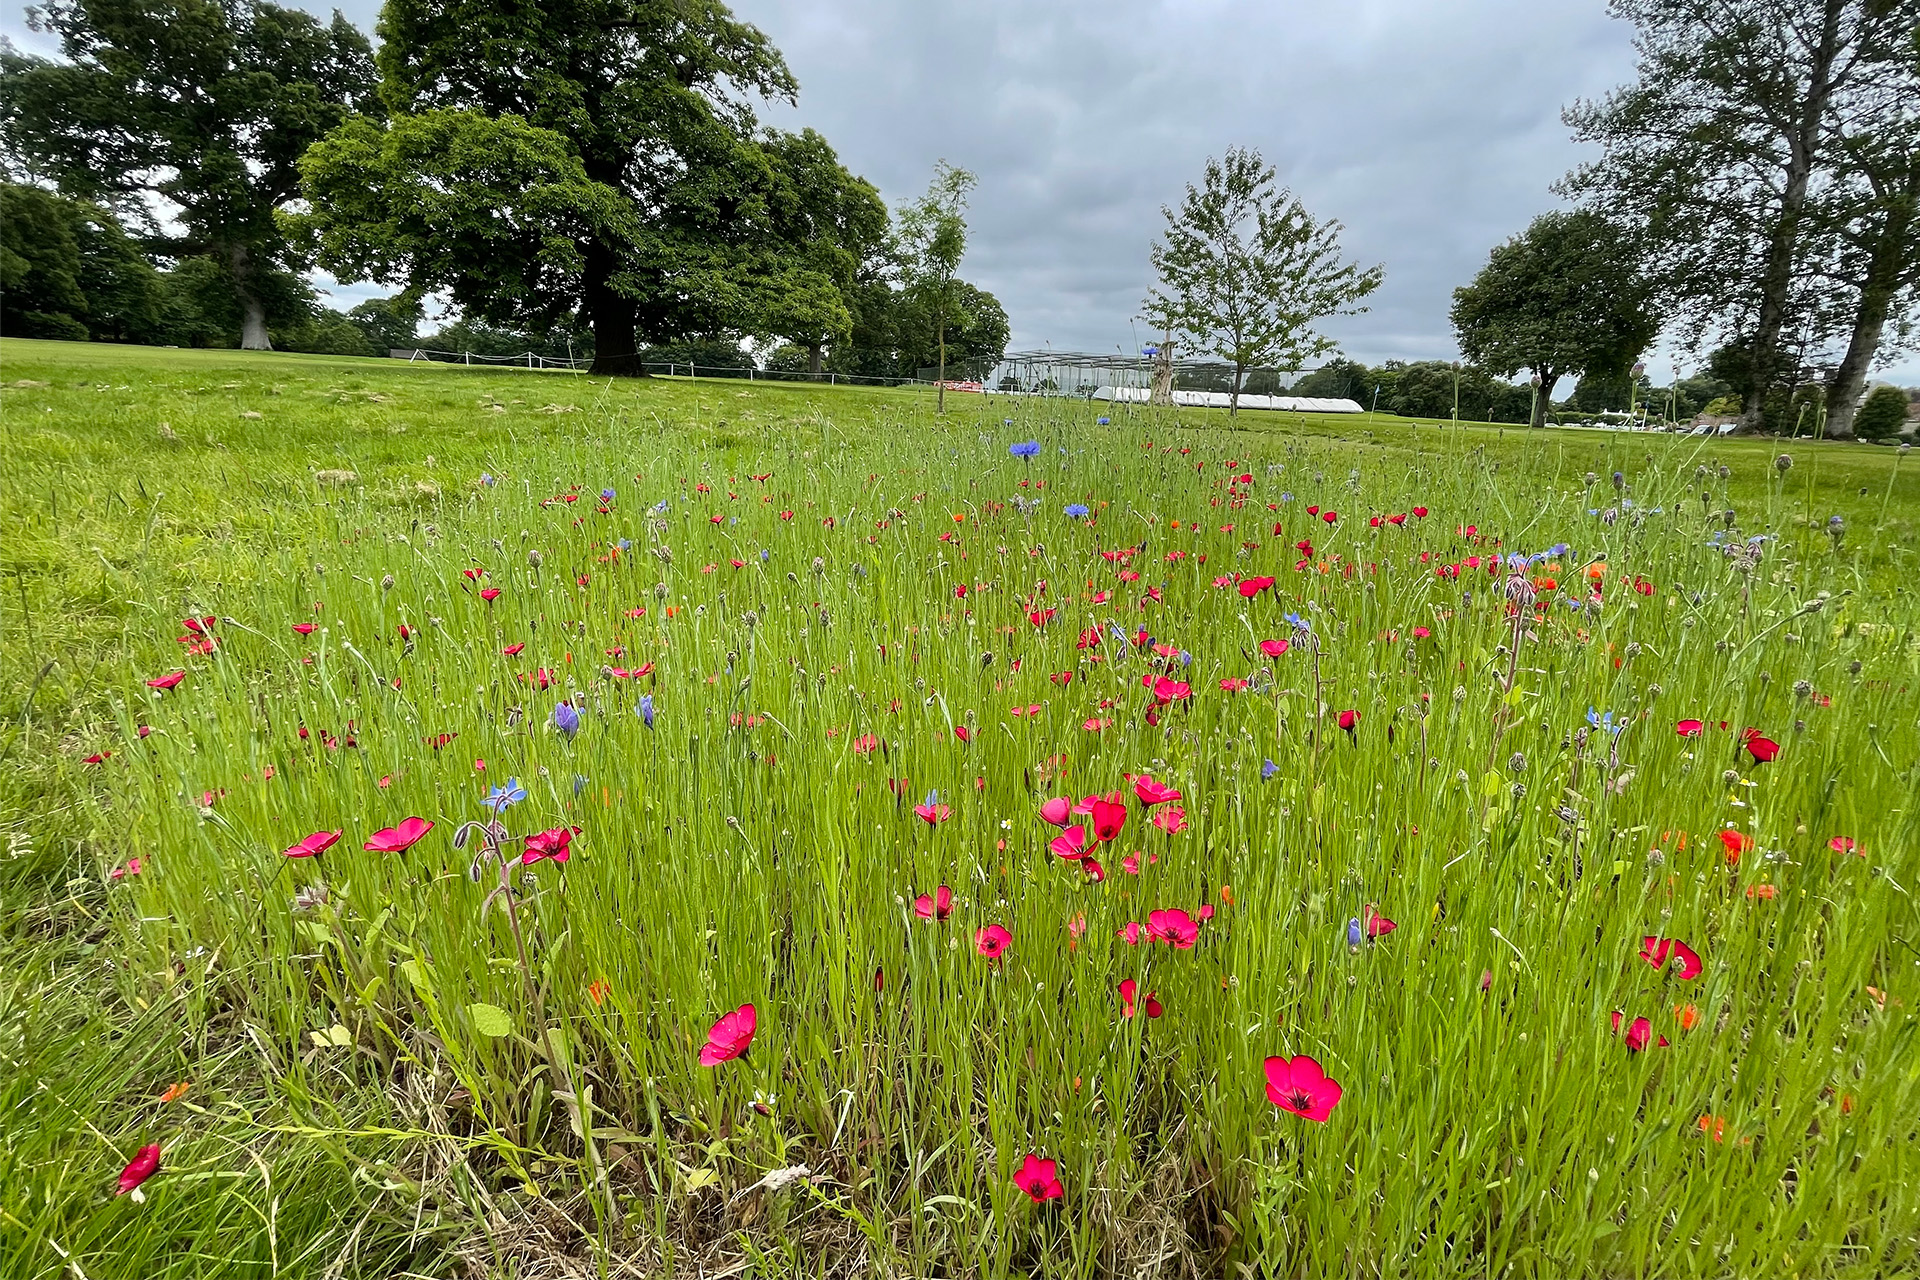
(490, 1020)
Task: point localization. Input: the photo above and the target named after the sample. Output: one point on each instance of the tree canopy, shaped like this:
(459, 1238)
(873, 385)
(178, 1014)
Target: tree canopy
(1564, 298)
(1245, 271)
(206, 105)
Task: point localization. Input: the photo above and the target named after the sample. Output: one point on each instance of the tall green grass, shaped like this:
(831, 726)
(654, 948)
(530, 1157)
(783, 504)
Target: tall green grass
(750, 847)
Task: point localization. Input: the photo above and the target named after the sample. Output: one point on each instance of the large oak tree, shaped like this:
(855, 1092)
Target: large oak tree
(204, 105)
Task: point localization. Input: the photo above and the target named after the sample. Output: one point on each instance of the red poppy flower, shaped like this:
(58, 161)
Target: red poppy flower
(1273, 648)
(556, 844)
(143, 1166)
(304, 628)
(1329, 516)
(1298, 1085)
(932, 814)
(1070, 844)
(97, 757)
(1040, 617)
(1657, 951)
(1036, 1178)
(1639, 1032)
(1313, 511)
(1844, 844)
(1689, 728)
(1057, 811)
(1151, 792)
(400, 838)
(1763, 749)
(1251, 587)
(167, 681)
(991, 941)
(1377, 925)
(318, 842)
(1109, 816)
(1348, 719)
(1174, 927)
(1420, 512)
(729, 1037)
(938, 906)
(1172, 821)
(1737, 843)
(963, 733)
(490, 594)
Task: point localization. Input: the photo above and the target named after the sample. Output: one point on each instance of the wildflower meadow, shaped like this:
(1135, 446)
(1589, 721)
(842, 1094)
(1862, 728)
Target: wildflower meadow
(470, 823)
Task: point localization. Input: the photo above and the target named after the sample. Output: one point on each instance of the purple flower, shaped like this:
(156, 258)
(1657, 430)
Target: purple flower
(566, 719)
(1025, 449)
(645, 710)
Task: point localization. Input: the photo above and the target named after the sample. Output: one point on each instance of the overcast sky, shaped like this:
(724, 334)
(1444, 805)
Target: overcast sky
(1430, 128)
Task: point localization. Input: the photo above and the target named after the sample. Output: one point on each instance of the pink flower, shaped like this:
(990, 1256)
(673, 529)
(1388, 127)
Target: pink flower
(1844, 844)
(1378, 926)
(1174, 927)
(399, 839)
(1130, 934)
(1639, 1032)
(1108, 817)
(729, 1037)
(1070, 844)
(1299, 1085)
(1036, 1178)
(1658, 951)
(556, 844)
(1172, 821)
(991, 941)
(318, 842)
(1128, 990)
(937, 907)
(167, 681)
(1689, 728)
(1151, 793)
(1273, 648)
(1057, 811)
(143, 1166)
(932, 814)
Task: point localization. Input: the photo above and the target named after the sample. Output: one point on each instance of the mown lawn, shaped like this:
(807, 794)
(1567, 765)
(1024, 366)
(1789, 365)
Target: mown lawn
(1449, 826)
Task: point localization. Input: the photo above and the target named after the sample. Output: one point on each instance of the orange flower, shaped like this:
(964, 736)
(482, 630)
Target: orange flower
(598, 990)
(1226, 894)
(175, 1092)
(1689, 1016)
(1714, 1125)
(1762, 891)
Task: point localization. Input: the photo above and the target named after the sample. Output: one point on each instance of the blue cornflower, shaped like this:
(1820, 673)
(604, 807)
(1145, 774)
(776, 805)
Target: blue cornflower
(1605, 722)
(606, 495)
(1571, 602)
(1104, 421)
(566, 719)
(764, 554)
(661, 505)
(579, 784)
(1558, 549)
(1267, 769)
(1025, 448)
(1286, 497)
(1078, 511)
(625, 544)
(1186, 659)
(1119, 635)
(645, 710)
(1353, 931)
(486, 479)
(500, 797)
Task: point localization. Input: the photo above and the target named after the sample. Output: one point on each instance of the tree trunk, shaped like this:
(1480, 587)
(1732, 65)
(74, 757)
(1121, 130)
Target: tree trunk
(1162, 392)
(615, 341)
(1777, 281)
(1543, 398)
(1233, 396)
(940, 378)
(813, 362)
(1885, 268)
(253, 312)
